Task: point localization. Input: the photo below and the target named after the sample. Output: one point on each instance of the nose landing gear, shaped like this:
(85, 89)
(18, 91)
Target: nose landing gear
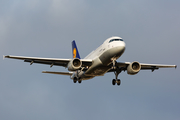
(116, 72)
(75, 80)
(114, 81)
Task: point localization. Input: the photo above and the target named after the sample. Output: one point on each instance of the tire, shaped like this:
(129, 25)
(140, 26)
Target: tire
(118, 82)
(75, 80)
(113, 82)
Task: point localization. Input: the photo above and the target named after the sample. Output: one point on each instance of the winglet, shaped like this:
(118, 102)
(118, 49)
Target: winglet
(75, 50)
(5, 56)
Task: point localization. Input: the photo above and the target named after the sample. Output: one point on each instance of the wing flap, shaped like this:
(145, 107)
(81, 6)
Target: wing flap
(48, 62)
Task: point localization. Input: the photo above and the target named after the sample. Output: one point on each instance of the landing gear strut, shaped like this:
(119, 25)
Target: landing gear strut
(116, 72)
(114, 63)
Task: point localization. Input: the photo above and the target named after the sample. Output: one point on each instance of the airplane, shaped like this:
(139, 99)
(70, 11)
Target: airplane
(97, 63)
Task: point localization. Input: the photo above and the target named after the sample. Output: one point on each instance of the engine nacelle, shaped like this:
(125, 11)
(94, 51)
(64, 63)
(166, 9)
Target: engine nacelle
(133, 68)
(74, 64)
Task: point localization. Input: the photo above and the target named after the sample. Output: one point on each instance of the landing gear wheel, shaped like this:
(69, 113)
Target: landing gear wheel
(113, 82)
(118, 82)
(79, 81)
(74, 81)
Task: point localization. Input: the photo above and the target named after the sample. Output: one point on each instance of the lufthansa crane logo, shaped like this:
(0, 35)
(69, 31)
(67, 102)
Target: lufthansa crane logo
(74, 53)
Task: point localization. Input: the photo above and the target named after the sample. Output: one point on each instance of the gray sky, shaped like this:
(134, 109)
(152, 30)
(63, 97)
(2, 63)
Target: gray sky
(46, 29)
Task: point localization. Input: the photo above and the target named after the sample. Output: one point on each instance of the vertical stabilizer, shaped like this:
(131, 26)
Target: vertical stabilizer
(75, 50)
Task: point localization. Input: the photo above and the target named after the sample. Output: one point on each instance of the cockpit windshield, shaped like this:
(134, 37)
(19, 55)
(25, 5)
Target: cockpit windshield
(115, 40)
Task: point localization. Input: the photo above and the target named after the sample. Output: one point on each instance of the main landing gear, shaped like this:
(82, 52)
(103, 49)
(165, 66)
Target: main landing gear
(114, 81)
(118, 81)
(75, 80)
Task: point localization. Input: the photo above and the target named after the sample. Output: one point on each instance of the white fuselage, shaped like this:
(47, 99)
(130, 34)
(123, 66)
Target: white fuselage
(102, 57)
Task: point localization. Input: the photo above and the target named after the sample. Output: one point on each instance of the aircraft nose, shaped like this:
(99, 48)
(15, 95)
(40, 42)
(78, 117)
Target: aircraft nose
(119, 49)
(122, 46)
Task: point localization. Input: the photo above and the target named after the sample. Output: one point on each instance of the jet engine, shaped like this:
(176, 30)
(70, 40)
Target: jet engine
(74, 64)
(133, 68)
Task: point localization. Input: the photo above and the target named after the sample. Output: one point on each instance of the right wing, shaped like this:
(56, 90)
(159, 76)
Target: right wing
(49, 61)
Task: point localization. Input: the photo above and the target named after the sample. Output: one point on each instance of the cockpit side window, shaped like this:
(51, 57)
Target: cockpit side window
(115, 40)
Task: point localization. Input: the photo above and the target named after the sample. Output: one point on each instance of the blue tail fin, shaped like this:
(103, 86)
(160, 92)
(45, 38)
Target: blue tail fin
(75, 50)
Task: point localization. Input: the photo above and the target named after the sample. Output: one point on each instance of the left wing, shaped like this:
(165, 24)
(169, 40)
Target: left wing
(151, 66)
(60, 73)
(49, 61)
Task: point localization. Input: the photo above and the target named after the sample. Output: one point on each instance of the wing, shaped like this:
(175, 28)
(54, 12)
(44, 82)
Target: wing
(155, 66)
(144, 66)
(49, 61)
(60, 73)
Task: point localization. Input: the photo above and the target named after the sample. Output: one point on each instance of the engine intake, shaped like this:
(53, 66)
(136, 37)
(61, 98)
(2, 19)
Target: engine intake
(74, 64)
(133, 68)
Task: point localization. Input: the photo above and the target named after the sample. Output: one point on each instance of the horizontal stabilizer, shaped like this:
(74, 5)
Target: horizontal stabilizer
(60, 73)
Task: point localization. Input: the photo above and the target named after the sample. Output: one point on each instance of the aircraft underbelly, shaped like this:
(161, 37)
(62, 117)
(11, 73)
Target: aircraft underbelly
(97, 71)
(97, 68)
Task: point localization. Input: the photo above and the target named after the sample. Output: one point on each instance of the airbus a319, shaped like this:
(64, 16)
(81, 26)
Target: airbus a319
(97, 63)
